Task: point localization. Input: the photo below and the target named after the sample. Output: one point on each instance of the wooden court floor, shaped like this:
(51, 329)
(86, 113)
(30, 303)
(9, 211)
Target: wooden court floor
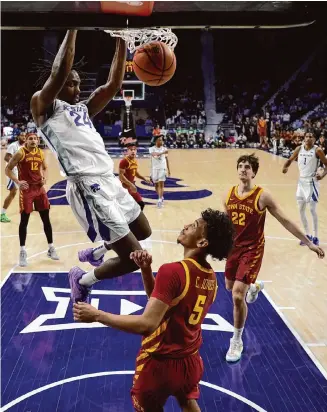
(296, 281)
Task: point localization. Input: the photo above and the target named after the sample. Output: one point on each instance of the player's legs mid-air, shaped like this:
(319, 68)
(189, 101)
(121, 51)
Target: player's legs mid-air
(107, 212)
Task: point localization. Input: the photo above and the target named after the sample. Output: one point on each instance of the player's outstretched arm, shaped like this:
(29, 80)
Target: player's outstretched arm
(168, 288)
(143, 259)
(61, 68)
(291, 159)
(104, 94)
(137, 174)
(144, 324)
(266, 200)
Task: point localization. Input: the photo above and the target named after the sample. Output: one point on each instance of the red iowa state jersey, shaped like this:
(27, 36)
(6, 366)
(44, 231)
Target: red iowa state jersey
(130, 167)
(189, 289)
(29, 167)
(248, 219)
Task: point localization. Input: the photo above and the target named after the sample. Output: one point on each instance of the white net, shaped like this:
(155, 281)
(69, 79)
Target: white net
(135, 38)
(128, 101)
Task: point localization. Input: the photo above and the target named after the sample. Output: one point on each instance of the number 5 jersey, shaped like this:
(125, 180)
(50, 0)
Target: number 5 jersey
(70, 134)
(189, 290)
(248, 219)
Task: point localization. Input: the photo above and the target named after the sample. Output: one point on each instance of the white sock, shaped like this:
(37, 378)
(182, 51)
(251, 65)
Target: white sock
(88, 279)
(98, 252)
(237, 334)
(3, 210)
(313, 207)
(50, 245)
(22, 248)
(302, 206)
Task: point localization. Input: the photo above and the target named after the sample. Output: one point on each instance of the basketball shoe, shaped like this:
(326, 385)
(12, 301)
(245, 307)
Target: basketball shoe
(23, 258)
(235, 350)
(79, 293)
(86, 255)
(309, 237)
(4, 218)
(315, 241)
(253, 291)
(52, 254)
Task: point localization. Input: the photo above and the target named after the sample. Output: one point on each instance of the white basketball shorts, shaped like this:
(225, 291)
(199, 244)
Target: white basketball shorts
(307, 190)
(10, 183)
(102, 206)
(158, 175)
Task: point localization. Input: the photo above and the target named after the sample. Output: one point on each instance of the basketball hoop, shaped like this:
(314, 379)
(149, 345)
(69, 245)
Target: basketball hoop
(128, 101)
(136, 38)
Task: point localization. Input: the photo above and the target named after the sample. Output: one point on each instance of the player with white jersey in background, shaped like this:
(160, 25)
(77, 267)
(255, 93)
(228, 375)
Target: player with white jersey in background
(308, 156)
(159, 167)
(11, 185)
(101, 205)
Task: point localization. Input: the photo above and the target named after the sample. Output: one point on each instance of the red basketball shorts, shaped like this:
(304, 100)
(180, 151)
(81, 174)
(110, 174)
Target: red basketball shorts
(262, 132)
(136, 196)
(34, 196)
(244, 264)
(157, 379)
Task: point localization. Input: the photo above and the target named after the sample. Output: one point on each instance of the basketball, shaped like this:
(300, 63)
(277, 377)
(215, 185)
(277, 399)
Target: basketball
(154, 63)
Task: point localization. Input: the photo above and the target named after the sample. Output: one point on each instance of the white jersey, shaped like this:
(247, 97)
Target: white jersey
(70, 134)
(12, 149)
(160, 161)
(308, 162)
(7, 131)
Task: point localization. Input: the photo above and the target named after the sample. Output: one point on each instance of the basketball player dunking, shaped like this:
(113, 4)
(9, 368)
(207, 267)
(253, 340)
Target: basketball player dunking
(101, 205)
(168, 363)
(32, 174)
(246, 205)
(128, 170)
(308, 157)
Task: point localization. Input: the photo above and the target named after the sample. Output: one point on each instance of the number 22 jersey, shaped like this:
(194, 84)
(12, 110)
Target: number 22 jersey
(248, 219)
(70, 133)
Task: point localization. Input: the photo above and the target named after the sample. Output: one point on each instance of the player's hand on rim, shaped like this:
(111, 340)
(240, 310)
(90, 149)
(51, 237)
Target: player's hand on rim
(317, 249)
(83, 312)
(142, 258)
(23, 185)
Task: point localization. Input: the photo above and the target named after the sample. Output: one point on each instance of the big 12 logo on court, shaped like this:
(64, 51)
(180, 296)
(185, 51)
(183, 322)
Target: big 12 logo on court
(57, 192)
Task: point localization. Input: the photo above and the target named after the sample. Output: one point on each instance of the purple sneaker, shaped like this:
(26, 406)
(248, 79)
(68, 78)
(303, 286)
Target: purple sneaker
(309, 237)
(86, 255)
(315, 241)
(79, 293)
